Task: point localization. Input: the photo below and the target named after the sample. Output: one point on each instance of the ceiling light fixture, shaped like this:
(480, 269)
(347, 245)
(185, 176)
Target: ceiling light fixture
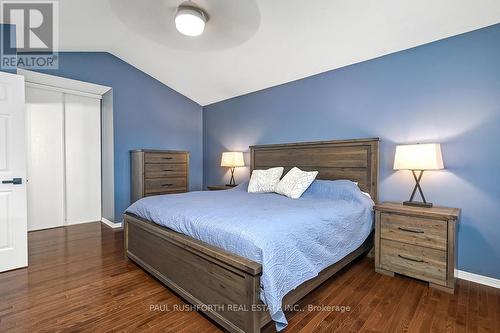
(190, 20)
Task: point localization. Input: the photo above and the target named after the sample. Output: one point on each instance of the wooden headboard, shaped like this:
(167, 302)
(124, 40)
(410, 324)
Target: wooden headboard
(355, 159)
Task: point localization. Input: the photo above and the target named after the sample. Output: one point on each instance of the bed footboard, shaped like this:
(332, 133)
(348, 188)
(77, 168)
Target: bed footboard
(224, 286)
(213, 280)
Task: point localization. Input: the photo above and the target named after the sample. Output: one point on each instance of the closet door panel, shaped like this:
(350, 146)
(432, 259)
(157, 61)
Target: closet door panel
(45, 158)
(83, 159)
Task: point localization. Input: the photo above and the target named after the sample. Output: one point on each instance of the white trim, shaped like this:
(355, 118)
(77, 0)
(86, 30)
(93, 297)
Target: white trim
(111, 224)
(68, 85)
(64, 162)
(62, 90)
(481, 279)
(66, 223)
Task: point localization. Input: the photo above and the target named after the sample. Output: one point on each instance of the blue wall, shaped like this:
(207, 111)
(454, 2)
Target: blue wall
(146, 114)
(7, 38)
(447, 91)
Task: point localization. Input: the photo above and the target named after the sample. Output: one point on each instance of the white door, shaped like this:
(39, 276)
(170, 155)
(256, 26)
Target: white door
(64, 158)
(13, 229)
(83, 158)
(45, 154)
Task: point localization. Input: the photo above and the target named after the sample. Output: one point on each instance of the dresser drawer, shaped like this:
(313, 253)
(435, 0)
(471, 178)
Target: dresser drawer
(165, 170)
(164, 185)
(416, 261)
(165, 158)
(172, 191)
(414, 230)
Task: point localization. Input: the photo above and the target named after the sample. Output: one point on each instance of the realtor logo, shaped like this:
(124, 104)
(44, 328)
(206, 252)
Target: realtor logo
(36, 34)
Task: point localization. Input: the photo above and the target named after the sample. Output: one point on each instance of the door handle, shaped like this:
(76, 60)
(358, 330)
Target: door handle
(14, 181)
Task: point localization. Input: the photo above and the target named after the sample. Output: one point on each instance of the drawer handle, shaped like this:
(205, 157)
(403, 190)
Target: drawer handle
(167, 170)
(411, 259)
(166, 158)
(411, 230)
(166, 185)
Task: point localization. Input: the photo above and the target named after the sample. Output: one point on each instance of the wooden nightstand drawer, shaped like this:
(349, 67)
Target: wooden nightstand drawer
(416, 261)
(414, 230)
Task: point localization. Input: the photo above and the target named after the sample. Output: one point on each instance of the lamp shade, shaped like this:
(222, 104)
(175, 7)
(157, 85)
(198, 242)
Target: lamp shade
(232, 159)
(418, 157)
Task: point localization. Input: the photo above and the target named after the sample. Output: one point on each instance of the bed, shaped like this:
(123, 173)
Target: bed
(221, 280)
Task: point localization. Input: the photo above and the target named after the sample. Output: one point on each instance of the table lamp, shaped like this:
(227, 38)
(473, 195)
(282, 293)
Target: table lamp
(419, 157)
(232, 159)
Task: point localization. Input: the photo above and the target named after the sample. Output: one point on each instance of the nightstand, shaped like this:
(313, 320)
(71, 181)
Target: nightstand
(417, 242)
(219, 187)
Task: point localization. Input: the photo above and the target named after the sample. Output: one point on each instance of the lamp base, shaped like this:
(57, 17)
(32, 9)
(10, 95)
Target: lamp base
(231, 185)
(410, 202)
(418, 204)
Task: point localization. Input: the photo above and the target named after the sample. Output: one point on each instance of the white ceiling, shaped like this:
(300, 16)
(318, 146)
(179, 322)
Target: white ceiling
(255, 44)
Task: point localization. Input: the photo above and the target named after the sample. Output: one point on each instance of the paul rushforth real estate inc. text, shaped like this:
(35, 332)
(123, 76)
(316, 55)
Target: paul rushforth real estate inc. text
(240, 308)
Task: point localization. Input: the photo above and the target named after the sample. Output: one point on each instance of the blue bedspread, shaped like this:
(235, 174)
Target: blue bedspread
(293, 239)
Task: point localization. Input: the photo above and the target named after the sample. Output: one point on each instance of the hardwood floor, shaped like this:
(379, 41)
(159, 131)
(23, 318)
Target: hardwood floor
(79, 281)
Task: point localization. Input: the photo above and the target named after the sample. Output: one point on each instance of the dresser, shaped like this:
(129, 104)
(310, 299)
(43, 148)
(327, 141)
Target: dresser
(155, 172)
(417, 242)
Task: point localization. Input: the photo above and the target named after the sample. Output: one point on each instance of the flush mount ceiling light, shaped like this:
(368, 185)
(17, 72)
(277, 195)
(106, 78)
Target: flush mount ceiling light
(228, 23)
(190, 20)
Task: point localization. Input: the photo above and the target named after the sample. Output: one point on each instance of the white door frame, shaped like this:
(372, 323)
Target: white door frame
(75, 87)
(57, 83)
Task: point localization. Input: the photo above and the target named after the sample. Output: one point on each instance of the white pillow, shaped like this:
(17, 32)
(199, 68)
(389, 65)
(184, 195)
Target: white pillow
(264, 181)
(295, 182)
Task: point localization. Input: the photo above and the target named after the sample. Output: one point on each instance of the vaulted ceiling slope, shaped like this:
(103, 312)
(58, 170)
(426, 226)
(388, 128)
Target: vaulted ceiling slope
(254, 44)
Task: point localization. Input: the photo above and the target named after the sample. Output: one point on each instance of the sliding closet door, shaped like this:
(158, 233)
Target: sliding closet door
(83, 159)
(45, 158)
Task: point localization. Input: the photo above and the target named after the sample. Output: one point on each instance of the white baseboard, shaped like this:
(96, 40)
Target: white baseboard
(111, 224)
(481, 279)
(92, 220)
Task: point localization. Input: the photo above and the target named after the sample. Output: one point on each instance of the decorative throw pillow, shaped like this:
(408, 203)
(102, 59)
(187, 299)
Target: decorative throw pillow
(264, 181)
(295, 182)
